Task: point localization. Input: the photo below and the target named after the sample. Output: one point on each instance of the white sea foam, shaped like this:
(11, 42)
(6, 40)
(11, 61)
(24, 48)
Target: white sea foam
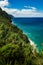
(31, 42)
(34, 46)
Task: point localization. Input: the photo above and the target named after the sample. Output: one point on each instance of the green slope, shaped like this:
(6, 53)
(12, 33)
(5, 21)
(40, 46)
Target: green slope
(15, 48)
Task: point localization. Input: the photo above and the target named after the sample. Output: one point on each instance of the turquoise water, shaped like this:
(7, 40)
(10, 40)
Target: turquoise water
(33, 28)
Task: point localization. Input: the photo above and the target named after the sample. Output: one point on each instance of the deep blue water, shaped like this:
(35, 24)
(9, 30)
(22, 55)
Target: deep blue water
(33, 27)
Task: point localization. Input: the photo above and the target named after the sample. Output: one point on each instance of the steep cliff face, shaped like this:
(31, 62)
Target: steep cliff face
(10, 31)
(15, 47)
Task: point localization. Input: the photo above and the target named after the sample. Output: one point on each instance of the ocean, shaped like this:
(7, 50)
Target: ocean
(33, 28)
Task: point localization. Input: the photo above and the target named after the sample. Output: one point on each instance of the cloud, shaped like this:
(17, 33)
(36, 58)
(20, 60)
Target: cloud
(30, 7)
(3, 3)
(24, 12)
(28, 11)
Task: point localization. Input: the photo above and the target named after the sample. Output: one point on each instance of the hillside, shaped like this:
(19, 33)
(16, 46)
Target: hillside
(15, 48)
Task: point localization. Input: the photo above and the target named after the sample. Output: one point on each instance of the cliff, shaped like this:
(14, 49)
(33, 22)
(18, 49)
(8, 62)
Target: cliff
(15, 48)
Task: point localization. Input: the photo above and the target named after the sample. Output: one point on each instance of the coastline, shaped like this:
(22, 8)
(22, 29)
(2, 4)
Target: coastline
(34, 30)
(34, 46)
(31, 42)
(16, 46)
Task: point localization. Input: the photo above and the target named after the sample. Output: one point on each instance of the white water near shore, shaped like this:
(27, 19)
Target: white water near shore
(31, 42)
(33, 29)
(34, 46)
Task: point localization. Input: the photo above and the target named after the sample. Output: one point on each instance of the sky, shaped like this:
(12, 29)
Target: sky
(23, 8)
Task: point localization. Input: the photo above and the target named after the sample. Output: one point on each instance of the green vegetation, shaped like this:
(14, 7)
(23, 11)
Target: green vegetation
(15, 48)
